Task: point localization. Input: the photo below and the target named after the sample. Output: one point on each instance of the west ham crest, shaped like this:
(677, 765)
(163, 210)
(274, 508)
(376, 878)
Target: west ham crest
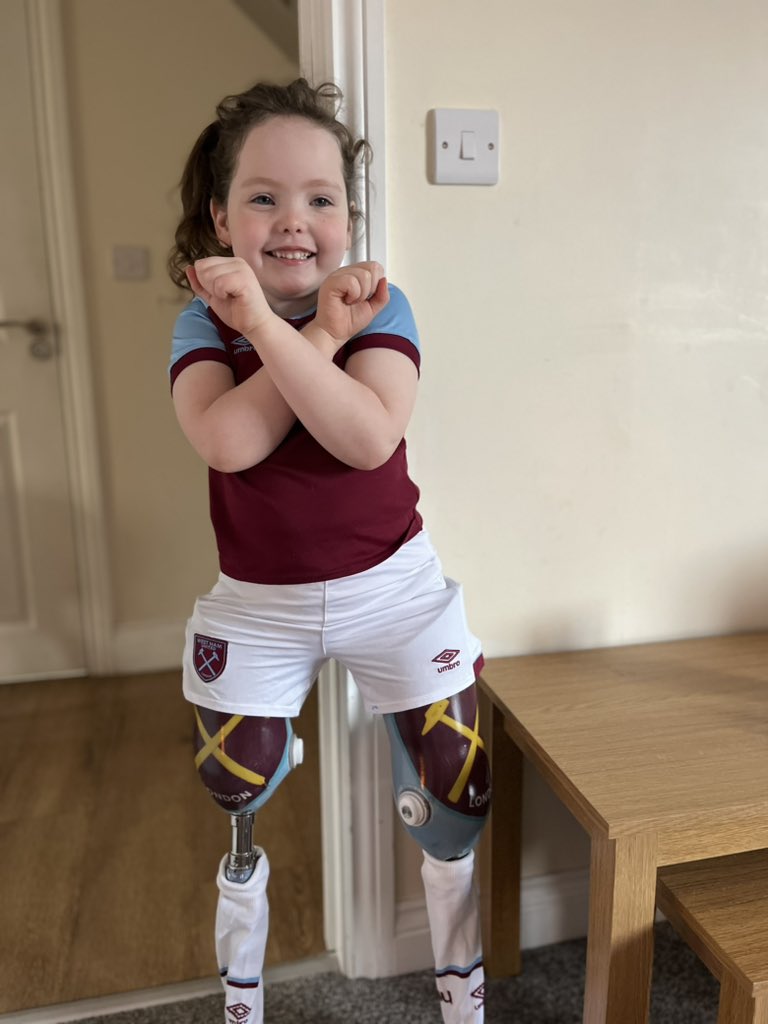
(210, 657)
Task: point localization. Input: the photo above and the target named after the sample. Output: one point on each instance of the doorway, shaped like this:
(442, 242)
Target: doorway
(40, 616)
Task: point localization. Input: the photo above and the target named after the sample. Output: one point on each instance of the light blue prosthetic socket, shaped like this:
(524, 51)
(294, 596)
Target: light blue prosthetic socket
(442, 789)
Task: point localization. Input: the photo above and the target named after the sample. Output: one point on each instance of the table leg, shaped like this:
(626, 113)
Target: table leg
(737, 1006)
(499, 853)
(622, 904)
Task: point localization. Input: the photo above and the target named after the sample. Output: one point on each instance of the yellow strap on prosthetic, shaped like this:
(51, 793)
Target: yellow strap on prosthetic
(435, 714)
(211, 746)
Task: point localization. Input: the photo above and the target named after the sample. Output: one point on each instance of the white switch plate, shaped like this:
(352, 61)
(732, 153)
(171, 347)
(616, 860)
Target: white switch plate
(450, 162)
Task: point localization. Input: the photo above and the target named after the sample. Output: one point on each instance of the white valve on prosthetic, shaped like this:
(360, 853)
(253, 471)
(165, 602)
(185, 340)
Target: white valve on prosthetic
(440, 774)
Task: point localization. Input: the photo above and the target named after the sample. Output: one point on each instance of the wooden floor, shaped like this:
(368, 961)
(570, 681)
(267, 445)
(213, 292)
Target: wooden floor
(109, 845)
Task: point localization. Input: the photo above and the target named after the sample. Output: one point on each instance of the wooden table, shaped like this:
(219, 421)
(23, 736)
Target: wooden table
(661, 753)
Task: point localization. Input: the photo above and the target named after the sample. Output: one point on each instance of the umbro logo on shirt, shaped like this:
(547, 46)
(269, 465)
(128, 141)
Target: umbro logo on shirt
(447, 659)
(241, 345)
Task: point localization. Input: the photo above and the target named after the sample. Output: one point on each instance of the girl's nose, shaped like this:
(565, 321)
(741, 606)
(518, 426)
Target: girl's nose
(292, 220)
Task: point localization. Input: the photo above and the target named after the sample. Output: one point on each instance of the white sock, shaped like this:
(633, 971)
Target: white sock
(242, 920)
(454, 923)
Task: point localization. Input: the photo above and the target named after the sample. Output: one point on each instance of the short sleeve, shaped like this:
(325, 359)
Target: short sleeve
(396, 318)
(394, 327)
(195, 337)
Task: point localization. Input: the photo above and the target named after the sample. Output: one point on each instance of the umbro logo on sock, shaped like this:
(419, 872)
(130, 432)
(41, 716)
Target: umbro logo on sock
(238, 1012)
(479, 994)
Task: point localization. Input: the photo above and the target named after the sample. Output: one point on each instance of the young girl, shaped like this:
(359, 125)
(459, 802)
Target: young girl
(294, 378)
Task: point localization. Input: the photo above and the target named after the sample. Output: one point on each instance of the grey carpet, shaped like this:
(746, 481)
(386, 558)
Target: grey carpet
(549, 991)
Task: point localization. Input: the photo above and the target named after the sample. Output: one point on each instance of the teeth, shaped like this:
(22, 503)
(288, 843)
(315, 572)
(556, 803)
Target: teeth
(286, 254)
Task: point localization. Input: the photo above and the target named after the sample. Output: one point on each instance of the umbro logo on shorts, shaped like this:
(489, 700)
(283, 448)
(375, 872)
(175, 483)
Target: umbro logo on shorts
(447, 659)
(209, 657)
(238, 1012)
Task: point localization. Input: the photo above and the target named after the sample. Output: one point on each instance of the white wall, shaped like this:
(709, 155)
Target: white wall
(591, 436)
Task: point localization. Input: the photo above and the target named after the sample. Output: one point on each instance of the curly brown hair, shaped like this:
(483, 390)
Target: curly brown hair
(211, 164)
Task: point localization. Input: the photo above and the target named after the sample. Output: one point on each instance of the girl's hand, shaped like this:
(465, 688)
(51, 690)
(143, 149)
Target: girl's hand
(350, 298)
(231, 289)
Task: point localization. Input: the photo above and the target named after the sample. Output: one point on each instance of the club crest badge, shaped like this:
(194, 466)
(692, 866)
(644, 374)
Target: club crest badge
(209, 657)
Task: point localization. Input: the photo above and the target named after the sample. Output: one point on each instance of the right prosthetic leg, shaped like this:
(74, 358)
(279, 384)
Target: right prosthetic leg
(241, 761)
(442, 787)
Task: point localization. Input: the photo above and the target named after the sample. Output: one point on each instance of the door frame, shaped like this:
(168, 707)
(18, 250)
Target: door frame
(76, 376)
(344, 41)
(341, 41)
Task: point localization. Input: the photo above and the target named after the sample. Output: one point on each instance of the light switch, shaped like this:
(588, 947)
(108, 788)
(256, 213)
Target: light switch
(463, 147)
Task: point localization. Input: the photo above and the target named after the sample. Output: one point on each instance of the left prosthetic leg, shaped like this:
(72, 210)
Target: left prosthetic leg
(241, 761)
(442, 786)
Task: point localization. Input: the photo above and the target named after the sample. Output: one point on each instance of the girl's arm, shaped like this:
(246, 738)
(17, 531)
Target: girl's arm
(358, 414)
(231, 427)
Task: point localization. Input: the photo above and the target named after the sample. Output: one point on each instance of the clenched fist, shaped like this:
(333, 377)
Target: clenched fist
(350, 298)
(231, 289)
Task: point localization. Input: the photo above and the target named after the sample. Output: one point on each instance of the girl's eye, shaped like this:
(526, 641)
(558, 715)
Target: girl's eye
(262, 200)
(322, 201)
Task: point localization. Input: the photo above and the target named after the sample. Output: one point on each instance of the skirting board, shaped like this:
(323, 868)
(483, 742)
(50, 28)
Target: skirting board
(553, 908)
(133, 1001)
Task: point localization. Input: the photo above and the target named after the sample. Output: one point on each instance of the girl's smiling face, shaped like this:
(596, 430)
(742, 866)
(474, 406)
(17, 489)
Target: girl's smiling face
(287, 212)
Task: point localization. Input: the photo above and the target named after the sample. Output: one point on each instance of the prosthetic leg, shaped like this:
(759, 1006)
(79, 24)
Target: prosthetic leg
(242, 761)
(442, 789)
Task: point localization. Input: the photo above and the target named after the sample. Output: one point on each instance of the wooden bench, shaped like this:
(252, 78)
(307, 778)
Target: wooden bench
(720, 907)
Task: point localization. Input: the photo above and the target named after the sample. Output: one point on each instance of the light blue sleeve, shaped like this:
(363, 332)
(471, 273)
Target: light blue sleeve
(193, 329)
(396, 318)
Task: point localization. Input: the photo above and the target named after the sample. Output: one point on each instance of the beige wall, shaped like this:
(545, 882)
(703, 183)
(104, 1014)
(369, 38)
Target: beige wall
(592, 425)
(144, 79)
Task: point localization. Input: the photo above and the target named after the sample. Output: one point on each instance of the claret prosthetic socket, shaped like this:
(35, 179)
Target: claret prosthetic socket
(241, 761)
(441, 774)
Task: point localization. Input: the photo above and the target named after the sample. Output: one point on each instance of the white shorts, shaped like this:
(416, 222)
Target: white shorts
(400, 628)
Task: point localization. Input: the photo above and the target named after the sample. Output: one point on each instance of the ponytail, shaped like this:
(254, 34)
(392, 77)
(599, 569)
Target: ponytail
(196, 235)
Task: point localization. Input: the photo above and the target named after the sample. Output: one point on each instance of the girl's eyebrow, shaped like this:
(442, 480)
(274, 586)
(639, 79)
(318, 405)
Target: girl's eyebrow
(269, 182)
(330, 186)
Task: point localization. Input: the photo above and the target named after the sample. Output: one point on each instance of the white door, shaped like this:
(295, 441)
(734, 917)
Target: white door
(40, 613)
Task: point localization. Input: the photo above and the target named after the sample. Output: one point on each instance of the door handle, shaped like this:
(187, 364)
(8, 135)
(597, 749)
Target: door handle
(40, 345)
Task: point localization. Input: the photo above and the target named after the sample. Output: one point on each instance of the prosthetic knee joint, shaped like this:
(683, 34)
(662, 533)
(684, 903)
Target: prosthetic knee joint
(441, 774)
(242, 760)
